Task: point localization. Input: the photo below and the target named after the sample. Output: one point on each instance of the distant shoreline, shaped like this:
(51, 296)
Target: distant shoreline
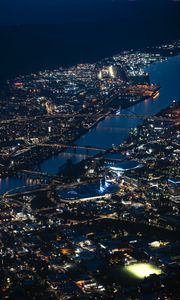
(29, 49)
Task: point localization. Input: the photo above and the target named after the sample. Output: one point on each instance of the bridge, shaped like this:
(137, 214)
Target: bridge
(45, 178)
(34, 173)
(74, 147)
(25, 190)
(74, 115)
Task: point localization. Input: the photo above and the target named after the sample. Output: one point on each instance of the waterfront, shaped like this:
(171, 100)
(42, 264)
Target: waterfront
(165, 73)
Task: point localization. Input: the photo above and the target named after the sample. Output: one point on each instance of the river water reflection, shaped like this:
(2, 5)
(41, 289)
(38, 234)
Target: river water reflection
(115, 130)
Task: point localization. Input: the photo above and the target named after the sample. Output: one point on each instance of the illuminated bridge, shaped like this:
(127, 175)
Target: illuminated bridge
(26, 190)
(74, 147)
(160, 118)
(35, 173)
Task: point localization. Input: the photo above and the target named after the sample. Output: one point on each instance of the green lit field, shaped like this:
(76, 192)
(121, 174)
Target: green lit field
(142, 270)
(129, 274)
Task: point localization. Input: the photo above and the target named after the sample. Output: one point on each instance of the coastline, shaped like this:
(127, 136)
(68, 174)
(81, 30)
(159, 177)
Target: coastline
(14, 181)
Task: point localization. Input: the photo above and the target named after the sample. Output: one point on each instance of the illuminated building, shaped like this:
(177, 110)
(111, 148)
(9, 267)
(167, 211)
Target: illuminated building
(174, 186)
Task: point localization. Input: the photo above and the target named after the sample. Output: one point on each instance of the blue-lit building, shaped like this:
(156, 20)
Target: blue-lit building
(174, 186)
(122, 166)
(88, 192)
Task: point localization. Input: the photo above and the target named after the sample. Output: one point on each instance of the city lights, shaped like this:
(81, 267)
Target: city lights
(142, 270)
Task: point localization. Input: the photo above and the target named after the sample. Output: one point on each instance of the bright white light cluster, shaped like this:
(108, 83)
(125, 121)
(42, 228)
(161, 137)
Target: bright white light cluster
(142, 270)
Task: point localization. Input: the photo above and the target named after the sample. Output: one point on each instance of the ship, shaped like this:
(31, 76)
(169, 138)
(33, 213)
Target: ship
(156, 94)
(118, 112)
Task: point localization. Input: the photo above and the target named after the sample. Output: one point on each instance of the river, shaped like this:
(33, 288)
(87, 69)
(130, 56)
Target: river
(115, 130)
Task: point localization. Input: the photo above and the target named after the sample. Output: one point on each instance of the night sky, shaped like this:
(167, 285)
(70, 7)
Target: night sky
(59, 11)
(37, 34)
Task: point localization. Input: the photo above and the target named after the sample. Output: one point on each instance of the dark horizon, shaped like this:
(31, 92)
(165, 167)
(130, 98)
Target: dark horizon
(18, 12)
(80, 32)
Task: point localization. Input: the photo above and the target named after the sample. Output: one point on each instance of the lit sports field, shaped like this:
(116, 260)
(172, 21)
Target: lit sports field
(142, 270)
